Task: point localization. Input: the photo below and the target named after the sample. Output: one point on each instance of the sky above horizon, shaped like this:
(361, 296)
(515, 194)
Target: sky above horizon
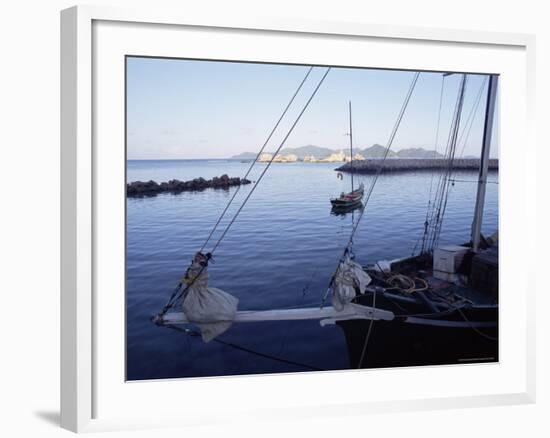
(188, 109)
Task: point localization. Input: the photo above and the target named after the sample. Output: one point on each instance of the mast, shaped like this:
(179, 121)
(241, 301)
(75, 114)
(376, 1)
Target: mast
(484, 165)
(351, 145)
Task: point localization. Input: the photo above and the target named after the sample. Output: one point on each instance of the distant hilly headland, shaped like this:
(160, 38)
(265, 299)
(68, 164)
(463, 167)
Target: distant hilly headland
(319, 153)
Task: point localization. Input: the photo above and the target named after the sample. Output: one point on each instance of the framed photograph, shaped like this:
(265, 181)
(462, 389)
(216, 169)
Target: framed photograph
(253, 209)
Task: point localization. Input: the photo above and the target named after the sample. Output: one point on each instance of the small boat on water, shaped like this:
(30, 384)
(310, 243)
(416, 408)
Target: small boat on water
(352, 200)
(349, 200)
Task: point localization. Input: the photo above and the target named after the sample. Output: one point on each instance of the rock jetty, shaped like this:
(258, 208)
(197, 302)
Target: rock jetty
(152, 188)
(414, 164)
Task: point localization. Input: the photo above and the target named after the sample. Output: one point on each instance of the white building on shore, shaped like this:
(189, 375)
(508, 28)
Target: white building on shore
(356, 157)
(310, 159)
(265, 157)
(290, 158)
(336, 157)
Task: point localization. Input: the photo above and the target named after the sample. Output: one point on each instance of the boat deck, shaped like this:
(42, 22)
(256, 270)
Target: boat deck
(480, 298)
(475, 292)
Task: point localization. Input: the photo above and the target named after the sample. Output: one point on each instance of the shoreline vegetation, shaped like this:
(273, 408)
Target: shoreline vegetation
(151, 188)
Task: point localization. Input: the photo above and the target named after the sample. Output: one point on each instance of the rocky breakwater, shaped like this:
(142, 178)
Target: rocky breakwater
(152, 188)
(414, 164)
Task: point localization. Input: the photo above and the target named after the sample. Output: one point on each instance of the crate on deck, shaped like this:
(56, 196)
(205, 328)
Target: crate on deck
(447, 263)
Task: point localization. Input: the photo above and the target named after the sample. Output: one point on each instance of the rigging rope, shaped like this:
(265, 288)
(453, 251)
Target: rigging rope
(180, 292)
(393, 133)
(452, 154)
(367, 337)
(426, 223)
(446, 156)
(436, 142)
(257, 157)
(270, 161)
(465, 134)
(440, 203)
(471, 116)
(190, 332)
(388, 147)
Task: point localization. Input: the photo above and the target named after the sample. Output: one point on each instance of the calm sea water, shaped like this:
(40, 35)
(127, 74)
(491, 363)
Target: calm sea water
(280, 253)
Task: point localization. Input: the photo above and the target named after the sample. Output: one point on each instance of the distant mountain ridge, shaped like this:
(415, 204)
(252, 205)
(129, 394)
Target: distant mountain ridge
(374, 151)
(244, 156)
(302, 151)
(418, 153)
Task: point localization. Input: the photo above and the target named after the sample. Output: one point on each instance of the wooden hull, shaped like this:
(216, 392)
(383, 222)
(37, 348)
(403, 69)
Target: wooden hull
(338, 204)
(401, 343)
(426, 330)
(349, 200)
(342, 211)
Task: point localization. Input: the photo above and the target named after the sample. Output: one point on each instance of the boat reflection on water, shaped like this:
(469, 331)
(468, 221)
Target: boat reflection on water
(343, 211)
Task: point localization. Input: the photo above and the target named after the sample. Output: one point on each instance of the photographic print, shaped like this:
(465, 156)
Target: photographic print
(293, 218)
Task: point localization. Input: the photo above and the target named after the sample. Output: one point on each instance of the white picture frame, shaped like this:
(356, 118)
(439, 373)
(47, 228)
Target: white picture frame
(85, 377)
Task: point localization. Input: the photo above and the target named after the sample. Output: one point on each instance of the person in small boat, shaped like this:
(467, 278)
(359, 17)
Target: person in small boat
(210, 308)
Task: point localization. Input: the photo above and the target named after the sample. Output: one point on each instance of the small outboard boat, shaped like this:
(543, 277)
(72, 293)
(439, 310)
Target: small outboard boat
(349, 200)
